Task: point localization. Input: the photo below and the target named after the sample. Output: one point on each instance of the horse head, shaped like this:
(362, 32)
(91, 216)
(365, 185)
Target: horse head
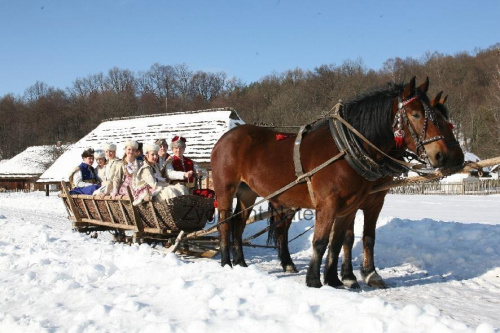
(423, 127)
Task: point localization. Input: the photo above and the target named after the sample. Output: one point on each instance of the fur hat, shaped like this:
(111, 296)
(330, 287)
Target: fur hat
(178, 142)
(88, 153)
(160, 142)
(132, 144)
(151, 147)
(98, 154)
(109, 146)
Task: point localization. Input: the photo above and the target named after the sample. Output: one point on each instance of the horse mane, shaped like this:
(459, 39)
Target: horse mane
(370, 113)
(443, 110)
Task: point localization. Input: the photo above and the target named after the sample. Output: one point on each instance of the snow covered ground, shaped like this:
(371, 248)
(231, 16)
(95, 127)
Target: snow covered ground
(440, 256)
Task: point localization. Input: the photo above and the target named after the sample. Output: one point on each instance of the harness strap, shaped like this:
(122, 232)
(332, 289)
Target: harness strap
(288, 186)
(299, 171)
(359, 135)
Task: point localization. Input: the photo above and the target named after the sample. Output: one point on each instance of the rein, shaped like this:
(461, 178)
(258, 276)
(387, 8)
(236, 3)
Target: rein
(408, 166)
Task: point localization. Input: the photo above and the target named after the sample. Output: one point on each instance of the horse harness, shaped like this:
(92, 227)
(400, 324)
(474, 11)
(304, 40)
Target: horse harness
(344, 136)
(347, 139)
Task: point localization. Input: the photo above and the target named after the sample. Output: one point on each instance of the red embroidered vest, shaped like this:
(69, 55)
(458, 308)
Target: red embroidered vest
(183, 165)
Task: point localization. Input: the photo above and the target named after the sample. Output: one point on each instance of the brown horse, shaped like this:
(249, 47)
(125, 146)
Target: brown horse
(249, 161)
(371, 208)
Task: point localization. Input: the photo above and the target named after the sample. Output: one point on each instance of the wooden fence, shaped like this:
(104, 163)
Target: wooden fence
(479, 187)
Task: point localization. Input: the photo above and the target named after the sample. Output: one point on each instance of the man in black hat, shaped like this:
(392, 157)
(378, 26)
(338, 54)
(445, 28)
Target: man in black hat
(84, 179)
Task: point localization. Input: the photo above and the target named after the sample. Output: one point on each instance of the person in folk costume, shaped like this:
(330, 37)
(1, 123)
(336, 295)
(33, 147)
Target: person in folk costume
(102, 171)
(148, 180)
(163, 156)
(113, 164)
(84, 179)
(127, 167)
(184, 164)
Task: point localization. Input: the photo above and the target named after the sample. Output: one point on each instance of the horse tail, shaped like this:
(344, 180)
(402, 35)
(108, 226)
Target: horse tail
(272, 237)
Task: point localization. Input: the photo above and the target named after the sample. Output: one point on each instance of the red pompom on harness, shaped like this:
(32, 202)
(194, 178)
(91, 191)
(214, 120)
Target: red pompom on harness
(451, 126)
(280, 136)
(399, 138)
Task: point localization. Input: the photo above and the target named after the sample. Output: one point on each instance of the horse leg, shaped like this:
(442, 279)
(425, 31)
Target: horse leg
(245, 198)
(337, 236)
(348, 278)
(279, 234)
(325, 216)
(225, 207)
(371, 213)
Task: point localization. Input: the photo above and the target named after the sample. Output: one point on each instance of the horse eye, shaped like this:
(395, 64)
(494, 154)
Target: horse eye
(415, 115)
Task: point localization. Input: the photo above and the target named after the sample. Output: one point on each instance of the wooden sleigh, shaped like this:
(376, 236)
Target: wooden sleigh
(150, 221)
(178, 225)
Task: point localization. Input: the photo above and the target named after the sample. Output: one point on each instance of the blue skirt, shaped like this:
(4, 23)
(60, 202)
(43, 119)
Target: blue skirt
(89, 190)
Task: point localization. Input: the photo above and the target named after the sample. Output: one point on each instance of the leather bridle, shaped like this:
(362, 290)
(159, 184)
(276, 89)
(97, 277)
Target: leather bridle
(420, 140)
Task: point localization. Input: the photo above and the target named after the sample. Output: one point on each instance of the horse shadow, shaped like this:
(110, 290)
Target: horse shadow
(407, 252)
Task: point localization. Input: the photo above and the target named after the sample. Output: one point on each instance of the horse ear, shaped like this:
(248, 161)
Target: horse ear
(409, 89)
(437, 99)
(443, 100)
(424, 86)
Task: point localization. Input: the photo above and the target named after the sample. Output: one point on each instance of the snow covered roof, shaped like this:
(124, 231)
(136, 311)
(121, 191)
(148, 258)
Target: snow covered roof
(201, 129)
(32, 162)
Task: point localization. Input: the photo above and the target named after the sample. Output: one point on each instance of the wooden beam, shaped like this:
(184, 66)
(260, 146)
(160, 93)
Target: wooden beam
(97, 209)
(122, 208)
(109, 211)
(109, 224)
(135, 215)
(71, 203)
(470, 166)
(86, 209)
(150, 204)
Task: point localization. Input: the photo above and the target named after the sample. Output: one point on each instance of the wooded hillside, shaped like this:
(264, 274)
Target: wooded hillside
(44, 115)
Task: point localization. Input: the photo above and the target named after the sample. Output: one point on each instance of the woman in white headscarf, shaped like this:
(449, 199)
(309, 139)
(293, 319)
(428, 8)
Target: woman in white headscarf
(148, 180)
(125, 171)
(102, 171)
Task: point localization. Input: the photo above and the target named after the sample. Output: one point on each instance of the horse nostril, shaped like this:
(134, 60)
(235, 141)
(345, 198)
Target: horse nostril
(439, 158)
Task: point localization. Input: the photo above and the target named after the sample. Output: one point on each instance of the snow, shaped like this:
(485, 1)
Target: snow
(439, 255)
(33, 161)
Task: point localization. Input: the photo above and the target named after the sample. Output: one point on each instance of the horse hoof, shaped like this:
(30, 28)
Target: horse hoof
(336, 283)
(226, 263)
(240, 263)
(290, 269)
(375, 281)
(351, 284)
(315, 283)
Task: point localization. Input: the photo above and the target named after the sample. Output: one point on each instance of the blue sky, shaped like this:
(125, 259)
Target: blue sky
(59, 41)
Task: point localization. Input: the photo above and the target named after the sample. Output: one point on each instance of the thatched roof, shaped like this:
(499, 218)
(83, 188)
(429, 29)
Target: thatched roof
(201, 128)
(31, 163)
